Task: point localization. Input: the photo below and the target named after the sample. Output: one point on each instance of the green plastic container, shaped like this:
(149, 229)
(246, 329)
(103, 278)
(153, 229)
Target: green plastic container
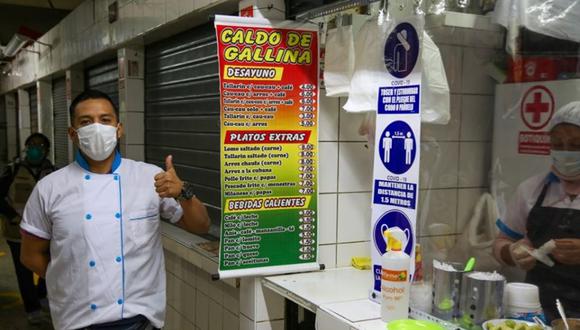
(413, 325)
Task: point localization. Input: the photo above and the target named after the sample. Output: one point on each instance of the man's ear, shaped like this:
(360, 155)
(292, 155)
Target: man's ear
(120, 131)
(72, 134)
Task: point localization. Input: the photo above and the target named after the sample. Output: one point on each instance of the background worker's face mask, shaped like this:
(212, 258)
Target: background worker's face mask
(34, 155)
(566, 163)
(97, 141)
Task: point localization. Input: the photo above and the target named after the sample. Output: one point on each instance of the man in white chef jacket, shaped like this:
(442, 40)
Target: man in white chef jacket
(92, 229)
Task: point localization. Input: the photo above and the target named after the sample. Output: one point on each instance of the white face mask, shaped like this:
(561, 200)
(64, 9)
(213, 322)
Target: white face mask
(566, 162)
(97, 141)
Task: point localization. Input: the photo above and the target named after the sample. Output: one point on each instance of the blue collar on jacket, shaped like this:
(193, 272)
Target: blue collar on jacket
(80, 159)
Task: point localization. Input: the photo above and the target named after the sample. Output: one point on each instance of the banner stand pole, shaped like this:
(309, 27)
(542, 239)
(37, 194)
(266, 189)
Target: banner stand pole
(216, 276)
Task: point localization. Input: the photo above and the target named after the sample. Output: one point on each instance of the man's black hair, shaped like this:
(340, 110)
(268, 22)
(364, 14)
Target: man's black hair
(90, 94)
(44, 138)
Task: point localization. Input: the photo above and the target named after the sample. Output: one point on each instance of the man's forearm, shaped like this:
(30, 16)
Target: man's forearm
(35, 253)
(37, 263)
(195, 218)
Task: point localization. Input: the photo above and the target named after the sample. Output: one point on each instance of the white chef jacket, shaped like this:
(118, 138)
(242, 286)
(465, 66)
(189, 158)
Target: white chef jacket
(106, 257)
(516, 218)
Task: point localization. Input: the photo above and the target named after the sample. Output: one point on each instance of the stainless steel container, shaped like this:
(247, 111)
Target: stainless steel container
(446, 291)
(481, 298)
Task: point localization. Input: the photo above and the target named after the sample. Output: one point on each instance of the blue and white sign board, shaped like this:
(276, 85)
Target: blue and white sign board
(397, 144)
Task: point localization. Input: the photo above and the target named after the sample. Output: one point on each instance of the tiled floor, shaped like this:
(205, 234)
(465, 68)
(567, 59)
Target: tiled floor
(12, 316)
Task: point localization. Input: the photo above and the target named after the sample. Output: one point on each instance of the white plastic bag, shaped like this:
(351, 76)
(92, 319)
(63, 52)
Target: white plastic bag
(369, 70)
(435, 99)
(558, 19)
(370, 74)
(478, 236)
(339, 59)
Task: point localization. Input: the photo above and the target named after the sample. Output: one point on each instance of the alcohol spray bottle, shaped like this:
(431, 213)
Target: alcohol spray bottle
(395, 282)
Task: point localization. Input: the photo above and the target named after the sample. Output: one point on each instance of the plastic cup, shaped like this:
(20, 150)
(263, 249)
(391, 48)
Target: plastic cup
(522, 296)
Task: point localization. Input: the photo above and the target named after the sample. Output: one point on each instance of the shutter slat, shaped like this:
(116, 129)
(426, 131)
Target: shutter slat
(105, 78)
(61, 123)
(182, 110)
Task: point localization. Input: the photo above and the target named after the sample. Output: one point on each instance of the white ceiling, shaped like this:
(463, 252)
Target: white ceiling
(58, 4)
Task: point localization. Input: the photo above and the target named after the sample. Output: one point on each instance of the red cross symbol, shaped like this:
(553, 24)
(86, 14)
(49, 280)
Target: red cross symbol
(537, 105)
(537, 108)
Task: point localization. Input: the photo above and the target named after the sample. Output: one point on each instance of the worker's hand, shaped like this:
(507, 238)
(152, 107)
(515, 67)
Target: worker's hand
(168, 184)
(567, 251)
(520, 255)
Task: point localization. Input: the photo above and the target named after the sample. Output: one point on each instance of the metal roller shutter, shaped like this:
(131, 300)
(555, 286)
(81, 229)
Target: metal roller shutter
(3, 133)
(105, 78)
(33, 101)
(182, 110)
(61, 123)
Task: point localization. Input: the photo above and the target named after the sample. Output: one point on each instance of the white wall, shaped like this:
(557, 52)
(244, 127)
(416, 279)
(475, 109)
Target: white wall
(449, 188)
(194, 301)
(86, 32)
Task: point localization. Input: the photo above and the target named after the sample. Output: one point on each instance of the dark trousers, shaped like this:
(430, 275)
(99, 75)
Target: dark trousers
(138, 322)
(30, 293)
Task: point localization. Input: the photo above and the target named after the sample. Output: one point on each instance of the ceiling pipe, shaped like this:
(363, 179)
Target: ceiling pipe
(19, 40)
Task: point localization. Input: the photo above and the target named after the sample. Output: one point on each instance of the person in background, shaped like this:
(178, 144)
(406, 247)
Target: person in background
(93, 227)
(547, 207)
(16, 184)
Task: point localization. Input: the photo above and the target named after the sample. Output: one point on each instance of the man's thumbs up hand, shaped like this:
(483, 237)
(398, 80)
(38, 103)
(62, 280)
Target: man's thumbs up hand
(169, 164)
(168, 184)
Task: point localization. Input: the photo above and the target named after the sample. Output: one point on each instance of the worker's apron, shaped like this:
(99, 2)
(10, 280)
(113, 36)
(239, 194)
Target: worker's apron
(561, 281)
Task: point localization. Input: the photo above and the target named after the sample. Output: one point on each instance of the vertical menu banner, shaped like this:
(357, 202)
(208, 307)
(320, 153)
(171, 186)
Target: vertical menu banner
(269, 146)
(397, 145)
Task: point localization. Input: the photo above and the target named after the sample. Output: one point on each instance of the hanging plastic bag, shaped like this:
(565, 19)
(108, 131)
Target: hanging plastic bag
(435, 99)
(478, 236)
(557, 19)
(339, 59)
(369, 70)
(370, 73)
(367, 129)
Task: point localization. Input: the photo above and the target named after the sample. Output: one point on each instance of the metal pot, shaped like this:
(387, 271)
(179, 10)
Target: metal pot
(446, 292)
(481, 299)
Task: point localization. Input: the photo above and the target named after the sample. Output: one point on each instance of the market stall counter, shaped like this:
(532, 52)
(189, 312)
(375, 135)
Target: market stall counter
(339, 298)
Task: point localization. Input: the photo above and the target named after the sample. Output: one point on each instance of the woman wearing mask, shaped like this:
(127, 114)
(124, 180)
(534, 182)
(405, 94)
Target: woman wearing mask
(547, 207)
(16, 183)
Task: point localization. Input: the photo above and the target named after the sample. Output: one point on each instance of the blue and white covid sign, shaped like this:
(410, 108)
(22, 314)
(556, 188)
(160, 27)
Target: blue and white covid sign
(397, 144)
(402, 50)
(398, 147)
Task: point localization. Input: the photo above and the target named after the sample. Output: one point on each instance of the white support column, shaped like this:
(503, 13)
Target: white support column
(23, 116)
(132, 101)
(260, 308)
(271, 9)
(75, 84)
(45, 112)
(11, 125)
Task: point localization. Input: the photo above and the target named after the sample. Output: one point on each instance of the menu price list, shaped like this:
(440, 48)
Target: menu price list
(269, 174)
